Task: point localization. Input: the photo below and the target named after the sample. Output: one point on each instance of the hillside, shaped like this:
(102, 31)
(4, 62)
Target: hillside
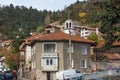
(19, 18)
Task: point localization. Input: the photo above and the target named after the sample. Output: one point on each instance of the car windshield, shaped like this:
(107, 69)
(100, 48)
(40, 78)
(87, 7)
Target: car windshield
(77, 71)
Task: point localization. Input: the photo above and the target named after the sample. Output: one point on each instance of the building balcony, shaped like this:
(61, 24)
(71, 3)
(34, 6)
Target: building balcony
(49, 61)
(49, 68)
(43, 55)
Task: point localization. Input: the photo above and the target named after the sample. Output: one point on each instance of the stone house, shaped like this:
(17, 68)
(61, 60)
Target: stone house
(110, 58)
(77, 29)
(25, 54)
(51, 53)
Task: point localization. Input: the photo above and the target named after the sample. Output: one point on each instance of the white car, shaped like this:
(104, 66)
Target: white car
(70, 74)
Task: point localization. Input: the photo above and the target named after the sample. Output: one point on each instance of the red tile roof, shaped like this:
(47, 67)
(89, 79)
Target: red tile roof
(28, 40)
(102, 43)
(112, 56)
(7, 41)
(1, 41)
(116, 43)
(60, 36)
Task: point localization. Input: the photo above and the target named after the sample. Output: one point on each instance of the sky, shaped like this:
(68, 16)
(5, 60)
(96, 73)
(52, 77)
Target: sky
(52, 5)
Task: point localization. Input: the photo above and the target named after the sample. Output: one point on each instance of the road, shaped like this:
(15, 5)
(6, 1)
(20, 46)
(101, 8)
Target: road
(100, 74)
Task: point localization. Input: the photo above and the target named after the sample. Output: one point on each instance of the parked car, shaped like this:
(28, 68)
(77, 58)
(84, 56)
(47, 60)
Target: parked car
(2, 77)
(8, 75)
(118, 70)
(70, 74)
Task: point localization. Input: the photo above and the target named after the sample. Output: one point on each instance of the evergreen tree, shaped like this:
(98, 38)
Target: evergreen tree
(109, 18)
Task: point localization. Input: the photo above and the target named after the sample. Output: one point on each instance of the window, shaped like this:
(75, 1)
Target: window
(66, 25)
(77, 71)
(70, 25)
(33, 65)
(72, 63)
(70, 48)
(84, 49)
(83, 63)
(49, 47)
(33, 50)
(49, 61)
(22, 53)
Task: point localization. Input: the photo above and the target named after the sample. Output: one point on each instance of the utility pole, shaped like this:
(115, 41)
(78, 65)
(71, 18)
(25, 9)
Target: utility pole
(69, 28)
(70, 48)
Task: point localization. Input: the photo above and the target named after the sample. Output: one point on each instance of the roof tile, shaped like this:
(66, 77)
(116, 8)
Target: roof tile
(61, 37)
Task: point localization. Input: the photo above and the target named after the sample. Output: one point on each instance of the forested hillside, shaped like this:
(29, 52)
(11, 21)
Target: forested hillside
(14, 18)
(20, 18)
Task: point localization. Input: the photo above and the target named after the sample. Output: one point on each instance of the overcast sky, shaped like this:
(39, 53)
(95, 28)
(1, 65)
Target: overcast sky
(40, 4)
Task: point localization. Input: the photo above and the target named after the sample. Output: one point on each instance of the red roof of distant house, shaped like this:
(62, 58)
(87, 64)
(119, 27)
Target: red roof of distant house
(49, 26)
(8, 41)
(116, 43)
(112, 56)
(34, 36)
(60, 36)
(90, 28)
(102, 43)
(27, 40)
(1, 41)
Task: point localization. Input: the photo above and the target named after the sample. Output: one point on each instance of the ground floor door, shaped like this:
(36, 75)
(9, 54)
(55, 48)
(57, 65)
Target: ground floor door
(48, 76)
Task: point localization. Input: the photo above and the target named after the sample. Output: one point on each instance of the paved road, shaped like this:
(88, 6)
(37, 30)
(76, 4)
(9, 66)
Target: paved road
(100, 74)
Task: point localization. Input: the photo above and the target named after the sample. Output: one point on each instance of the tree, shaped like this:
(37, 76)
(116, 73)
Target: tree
(109, 18)
(93, 37)
(11, 60)
(82, 16)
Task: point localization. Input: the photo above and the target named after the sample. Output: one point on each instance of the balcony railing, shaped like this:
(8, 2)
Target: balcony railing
(49, 55)
(49, 68)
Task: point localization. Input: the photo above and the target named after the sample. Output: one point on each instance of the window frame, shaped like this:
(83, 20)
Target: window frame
(47, 62)
(71, 48)
(85, 63)
(43, 50)
(84, 49)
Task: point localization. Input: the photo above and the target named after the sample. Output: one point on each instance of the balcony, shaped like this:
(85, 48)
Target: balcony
(49, 68)
(43, 55)
(49, 61)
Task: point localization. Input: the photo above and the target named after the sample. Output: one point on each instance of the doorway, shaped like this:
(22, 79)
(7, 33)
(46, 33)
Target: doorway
(48, 76)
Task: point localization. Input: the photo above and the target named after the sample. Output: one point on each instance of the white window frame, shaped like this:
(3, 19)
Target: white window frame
(72, 63)
(49, 43)
(22, 53)
(84, 63)
(33, 50)
(54, 62)
(71, 48)
(84, 49)
(33, 65)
